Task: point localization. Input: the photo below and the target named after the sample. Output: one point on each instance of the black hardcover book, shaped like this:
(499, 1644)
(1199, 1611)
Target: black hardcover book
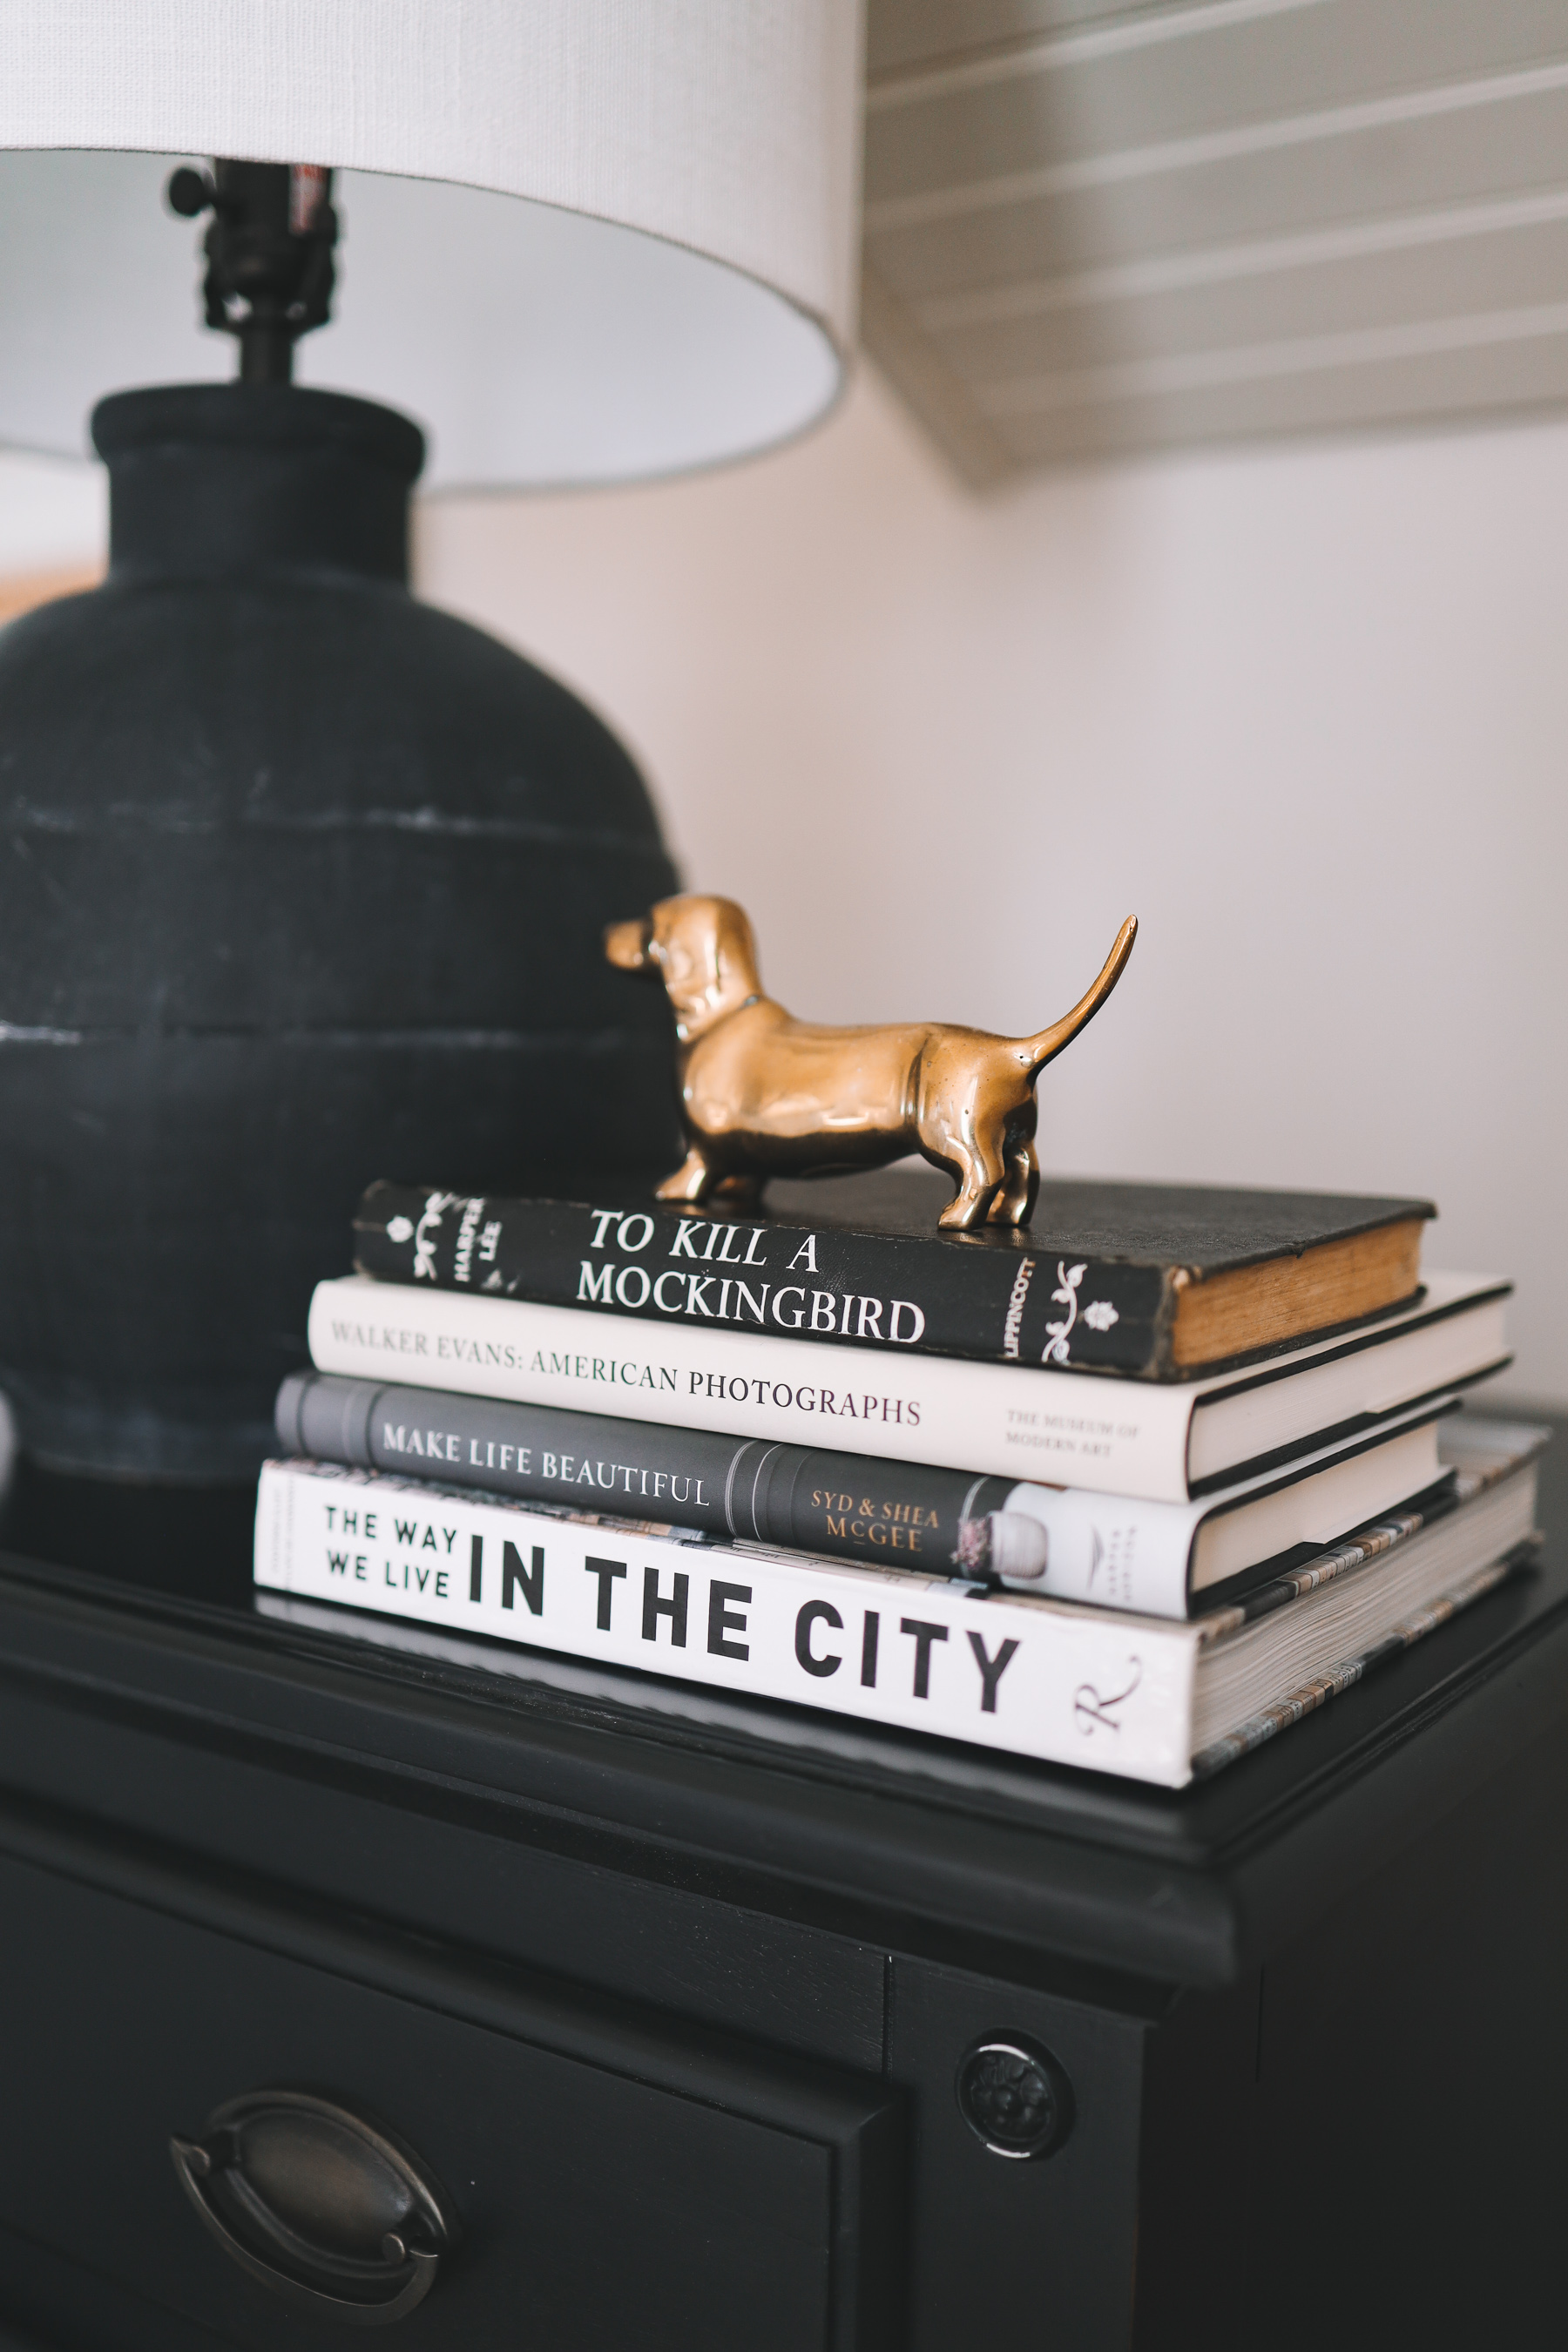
(893, 1514)
(1157, 1281)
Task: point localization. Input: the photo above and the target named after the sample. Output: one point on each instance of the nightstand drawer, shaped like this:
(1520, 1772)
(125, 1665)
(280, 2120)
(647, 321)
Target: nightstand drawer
(611, 2184)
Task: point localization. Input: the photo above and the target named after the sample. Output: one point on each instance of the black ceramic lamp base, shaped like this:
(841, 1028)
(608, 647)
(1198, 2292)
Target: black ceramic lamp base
(303, 883)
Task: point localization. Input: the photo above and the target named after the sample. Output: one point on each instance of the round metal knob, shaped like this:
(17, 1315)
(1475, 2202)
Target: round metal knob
(334, 2214)
(1014, 2097)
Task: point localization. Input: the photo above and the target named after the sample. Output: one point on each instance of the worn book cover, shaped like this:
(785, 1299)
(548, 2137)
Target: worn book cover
(1158, 1281)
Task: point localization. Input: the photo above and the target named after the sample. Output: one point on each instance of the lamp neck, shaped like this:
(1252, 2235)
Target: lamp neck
(269, 254)
(238, 479)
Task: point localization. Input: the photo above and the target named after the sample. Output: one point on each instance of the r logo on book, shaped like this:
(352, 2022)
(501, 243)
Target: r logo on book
(1093, 1711)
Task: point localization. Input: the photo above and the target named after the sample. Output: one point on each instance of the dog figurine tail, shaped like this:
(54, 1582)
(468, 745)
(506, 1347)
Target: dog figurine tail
(1036, 1052)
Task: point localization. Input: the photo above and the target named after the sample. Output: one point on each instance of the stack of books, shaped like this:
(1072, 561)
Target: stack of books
(1132, 1490)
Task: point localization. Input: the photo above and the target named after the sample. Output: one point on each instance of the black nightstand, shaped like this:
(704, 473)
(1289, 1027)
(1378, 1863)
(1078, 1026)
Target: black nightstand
(700, 2018)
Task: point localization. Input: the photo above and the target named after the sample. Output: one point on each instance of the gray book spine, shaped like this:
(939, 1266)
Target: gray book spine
(891, 1514)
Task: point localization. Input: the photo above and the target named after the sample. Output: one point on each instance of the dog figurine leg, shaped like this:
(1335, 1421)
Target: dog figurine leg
(1014, 1204)
(692, 1180)
(979, 1176)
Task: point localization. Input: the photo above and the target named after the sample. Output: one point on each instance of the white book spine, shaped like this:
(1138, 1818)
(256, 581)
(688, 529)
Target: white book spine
(1031, 1677)
(1122, 1437)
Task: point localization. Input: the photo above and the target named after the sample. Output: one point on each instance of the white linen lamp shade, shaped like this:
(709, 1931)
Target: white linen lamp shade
(583, 240)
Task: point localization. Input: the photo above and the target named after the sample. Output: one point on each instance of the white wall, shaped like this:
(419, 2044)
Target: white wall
(1303, 711)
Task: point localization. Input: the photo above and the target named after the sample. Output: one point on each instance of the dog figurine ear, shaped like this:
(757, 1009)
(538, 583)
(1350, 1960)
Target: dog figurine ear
(626, 944)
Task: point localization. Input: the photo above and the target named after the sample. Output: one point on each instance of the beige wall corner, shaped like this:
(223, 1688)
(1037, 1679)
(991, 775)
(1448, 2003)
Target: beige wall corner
(917, 370)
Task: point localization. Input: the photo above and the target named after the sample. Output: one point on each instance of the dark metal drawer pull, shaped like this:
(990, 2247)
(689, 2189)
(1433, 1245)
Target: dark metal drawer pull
(1013, 2097)
(332, 2212)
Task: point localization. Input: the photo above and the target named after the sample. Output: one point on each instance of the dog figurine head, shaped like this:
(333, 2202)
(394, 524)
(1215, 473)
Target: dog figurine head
(764, 1094)
(703, 951)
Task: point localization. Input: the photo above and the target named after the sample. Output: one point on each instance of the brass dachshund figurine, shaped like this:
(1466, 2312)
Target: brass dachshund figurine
(763, 1094)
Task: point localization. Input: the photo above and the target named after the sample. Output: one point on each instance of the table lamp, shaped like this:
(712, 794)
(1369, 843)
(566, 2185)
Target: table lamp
(303, 883)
